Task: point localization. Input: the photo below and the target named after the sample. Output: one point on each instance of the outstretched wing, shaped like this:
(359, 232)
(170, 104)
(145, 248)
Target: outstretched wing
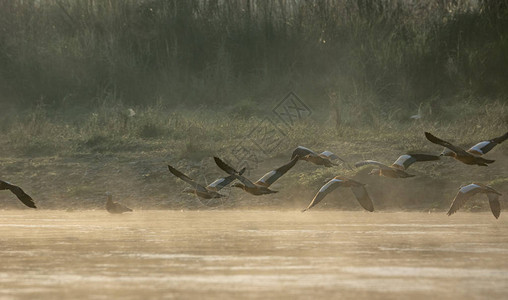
(372, 162)
(224, 166)
(404, 161)
(272, 176)
(186, 178)
(485, 146)
(325, 190)
(228, 169)
(301, 151)
(220, 183)
(462, 196)
(363, 197)
(444, 143)
(16, 190)
(495, 205)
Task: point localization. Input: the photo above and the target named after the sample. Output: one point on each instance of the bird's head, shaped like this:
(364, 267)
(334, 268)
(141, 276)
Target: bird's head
(375, 172)
(446, 152)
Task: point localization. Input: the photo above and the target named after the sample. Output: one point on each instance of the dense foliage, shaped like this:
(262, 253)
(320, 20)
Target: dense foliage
(398, 53)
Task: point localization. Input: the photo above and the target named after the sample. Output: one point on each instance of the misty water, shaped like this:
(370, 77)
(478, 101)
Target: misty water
(252, 254)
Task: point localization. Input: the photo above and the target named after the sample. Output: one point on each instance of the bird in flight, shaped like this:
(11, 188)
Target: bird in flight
(16, 190)
(261, 186)
(482, 147)
(358, 189)
(399, 167)
(322, 159)
(458, 153)
(206, 192)
(466, 192)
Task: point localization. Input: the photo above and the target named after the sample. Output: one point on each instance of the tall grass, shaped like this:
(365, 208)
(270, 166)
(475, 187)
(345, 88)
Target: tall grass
(385, 54)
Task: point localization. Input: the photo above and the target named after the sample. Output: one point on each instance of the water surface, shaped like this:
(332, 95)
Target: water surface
(252, 254)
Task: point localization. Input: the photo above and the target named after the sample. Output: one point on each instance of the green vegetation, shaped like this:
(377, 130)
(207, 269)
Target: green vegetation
(384, 54)
(99, 95)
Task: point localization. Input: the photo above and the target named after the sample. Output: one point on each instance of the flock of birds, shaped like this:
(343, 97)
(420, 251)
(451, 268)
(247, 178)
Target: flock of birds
(471, 156)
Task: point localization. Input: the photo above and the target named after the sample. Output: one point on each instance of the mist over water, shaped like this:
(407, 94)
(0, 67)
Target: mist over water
(252, 254)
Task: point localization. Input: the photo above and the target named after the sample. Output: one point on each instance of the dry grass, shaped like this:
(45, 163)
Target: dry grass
(112, 150)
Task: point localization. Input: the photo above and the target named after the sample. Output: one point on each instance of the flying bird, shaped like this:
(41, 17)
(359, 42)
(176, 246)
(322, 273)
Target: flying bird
(358, 189)
(468, 191)
(399, 167)
(115, 207)
(16, 190)
(261, 186)
(458, 153)
(482, 147)
(323, 159)
(208, 192)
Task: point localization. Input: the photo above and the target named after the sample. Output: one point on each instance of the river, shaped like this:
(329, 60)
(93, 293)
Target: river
(252, 255)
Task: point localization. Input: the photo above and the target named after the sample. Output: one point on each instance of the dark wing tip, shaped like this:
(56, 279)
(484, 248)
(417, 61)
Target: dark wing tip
(173, 170)
(242, 171)
(495, 205)
(369, 206)
(431, 137)
(500, 139)
(225, 167)
(28, 202)
(177, 173)
(22, 196)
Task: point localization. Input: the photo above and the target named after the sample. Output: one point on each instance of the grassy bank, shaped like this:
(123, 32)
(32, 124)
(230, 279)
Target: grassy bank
(71, 163)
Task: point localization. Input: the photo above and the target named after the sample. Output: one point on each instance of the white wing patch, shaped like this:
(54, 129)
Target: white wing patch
(328, 184)
(305, 148)
(329, 154)
(478, 147)
(217, 182)
(266, 176)
(401, 160)
(467, 188)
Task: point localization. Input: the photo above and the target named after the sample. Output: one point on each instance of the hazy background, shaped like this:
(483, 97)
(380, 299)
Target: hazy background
(200, 75)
